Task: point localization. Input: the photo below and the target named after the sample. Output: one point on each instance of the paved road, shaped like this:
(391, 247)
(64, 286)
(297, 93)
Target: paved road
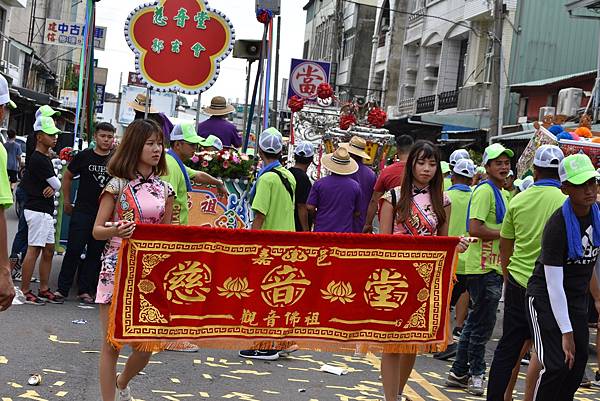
(42, 339)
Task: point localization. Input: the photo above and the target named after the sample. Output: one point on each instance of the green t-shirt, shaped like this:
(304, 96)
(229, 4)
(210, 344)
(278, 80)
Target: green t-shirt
(447, 183)
(484, 256)
(457, 225)
(176, 178)
(524, 222)
(275, 202)
(6, 198)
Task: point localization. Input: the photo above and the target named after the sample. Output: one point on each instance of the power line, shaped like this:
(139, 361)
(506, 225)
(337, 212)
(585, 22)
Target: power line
(419, 14)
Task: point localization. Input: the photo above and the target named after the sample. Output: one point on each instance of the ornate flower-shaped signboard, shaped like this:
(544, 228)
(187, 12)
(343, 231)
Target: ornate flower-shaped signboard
(179, 44)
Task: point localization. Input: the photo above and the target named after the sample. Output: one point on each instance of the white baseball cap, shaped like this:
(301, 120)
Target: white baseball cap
(271, 141)
(305, 149)
(458, 154)
(464, 167)
(5, 94)
(548, 156)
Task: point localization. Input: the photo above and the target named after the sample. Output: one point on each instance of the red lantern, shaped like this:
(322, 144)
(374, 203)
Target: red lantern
(347, 120)
(377, 117)
(324, 91)
(296, 104)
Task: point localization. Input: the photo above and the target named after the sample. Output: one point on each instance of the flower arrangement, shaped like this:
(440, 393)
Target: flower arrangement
(226, 163)
(264, 16)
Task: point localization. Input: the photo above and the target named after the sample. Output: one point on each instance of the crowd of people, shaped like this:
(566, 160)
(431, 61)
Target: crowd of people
(537, 244)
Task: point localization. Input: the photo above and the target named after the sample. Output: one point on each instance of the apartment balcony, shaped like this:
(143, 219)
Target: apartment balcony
(417, 15)
(476, 96)
(17, 3)
(406, 107)
(482, 9)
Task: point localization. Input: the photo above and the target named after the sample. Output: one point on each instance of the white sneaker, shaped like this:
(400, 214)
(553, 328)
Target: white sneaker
(475, 386)
(124, 395)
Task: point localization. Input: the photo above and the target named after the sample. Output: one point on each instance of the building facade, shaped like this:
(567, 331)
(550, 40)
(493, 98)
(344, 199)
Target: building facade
(341, 33)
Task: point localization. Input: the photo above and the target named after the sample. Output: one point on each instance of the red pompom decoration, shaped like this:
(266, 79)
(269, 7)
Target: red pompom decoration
(377, 117)
(264, 16)
(296, 103)
(347, 120)
(324, 91)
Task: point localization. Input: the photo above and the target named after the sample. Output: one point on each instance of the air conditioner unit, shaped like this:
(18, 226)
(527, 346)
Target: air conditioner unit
(569, 100)
(544, 111)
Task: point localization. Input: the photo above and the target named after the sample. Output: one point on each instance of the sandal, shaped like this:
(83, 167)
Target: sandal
(86, 299)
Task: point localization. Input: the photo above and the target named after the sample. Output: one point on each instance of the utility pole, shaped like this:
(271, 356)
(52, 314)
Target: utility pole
(496, 70)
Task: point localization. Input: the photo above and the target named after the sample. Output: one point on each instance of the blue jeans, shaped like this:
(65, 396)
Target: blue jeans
(485, 291)
(19, 245)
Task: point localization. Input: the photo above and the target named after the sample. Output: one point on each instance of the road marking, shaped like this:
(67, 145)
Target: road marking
(428, 386)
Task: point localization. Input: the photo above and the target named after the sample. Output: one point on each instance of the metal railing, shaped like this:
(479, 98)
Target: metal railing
(426, 104)
(448, 100)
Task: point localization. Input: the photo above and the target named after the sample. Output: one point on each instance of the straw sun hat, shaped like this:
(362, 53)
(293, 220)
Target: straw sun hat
(340, 162)
(357, 146)
(139, 104)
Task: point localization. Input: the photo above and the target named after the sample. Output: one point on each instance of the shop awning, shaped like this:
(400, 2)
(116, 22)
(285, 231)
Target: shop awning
(457, 129)
(553, 80)
(39, 97)
(475, 120)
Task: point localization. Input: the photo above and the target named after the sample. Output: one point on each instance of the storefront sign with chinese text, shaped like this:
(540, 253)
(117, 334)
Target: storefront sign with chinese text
(225, 288)
(64, 33)
(305, 78)
(179, 44)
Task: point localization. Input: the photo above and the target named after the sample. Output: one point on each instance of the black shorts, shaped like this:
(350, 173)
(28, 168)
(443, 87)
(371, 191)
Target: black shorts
(13, 176)
(460, 287)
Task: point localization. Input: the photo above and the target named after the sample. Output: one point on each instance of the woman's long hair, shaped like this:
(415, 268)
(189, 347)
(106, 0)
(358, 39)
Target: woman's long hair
(422, 150)
(123, 164)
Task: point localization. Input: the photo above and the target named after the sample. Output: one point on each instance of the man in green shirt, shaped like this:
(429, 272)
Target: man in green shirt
(484, 280)
(184, 142)
(273, 203)
(7, 289)
(520, 244)
(459, 193)
(272, 196)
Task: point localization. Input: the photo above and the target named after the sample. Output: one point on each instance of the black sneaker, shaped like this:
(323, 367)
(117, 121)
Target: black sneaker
(270, 355)
(596, 382)
(456, 333)
(457, 381)
(526, 358)
(32, 299)
(450, 352)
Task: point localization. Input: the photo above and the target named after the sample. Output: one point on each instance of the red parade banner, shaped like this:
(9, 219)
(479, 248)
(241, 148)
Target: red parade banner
(222, 288)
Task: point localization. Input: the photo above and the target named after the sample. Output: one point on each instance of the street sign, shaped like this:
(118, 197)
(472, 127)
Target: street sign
(306, 76)
(273, 5)
(179, 44)
(64, 33)
(100, 91)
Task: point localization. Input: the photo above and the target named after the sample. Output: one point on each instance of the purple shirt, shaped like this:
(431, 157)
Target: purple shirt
(221, 128)
(336, 198)
(366, 179)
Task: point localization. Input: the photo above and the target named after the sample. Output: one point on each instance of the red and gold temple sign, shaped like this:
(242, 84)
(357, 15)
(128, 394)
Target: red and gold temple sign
(178, 44)
(224, 288)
